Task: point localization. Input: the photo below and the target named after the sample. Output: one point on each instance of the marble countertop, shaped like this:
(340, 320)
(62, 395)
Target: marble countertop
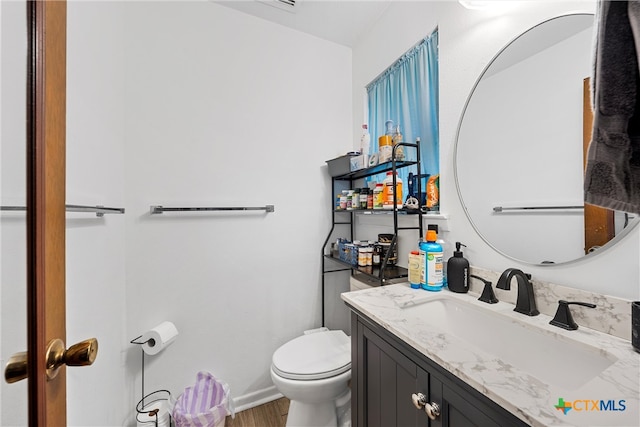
(519, 392)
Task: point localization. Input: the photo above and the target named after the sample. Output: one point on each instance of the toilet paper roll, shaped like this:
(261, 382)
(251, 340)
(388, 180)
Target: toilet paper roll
(157, 339)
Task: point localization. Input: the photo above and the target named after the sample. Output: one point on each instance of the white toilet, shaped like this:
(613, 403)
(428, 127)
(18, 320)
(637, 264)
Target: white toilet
(313, 371)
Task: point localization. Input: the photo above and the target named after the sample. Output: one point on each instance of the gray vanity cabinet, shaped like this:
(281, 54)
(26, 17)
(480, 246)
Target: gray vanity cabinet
(387, 378)
(386, 372)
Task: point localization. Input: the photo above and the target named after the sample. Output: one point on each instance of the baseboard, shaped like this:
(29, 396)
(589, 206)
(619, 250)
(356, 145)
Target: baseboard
(256, 398)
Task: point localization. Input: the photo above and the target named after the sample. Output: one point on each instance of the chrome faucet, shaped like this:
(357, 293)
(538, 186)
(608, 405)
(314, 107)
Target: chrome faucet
(525, 303)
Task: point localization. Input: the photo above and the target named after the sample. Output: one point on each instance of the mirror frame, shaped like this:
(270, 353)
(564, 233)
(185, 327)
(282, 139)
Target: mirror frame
(611, 243)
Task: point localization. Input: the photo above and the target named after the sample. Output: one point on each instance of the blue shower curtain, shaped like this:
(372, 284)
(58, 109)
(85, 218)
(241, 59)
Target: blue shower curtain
(407, 94)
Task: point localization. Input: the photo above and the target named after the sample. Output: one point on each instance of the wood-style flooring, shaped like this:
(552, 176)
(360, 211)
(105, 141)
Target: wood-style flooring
(271, 414)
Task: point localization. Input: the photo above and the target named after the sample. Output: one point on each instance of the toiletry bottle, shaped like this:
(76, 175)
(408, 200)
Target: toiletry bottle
(388, 126)
(343, 199)
(355, 199)
(433, 262)
(364, 195)
(365, 141)
(395, 139)
(458, 271)
(416, 269)
(388, 192)
(378, 196)
(445, 249)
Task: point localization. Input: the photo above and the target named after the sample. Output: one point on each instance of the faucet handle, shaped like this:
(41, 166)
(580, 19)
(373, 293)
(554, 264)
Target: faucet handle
(563, 318)
(487, 293)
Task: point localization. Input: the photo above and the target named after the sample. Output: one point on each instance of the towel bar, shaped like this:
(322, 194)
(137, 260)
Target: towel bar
(530, 208)
(98, 210)
(156, 209)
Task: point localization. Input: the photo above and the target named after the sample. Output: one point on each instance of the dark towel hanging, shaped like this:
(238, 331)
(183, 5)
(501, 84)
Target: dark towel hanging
(612, 175)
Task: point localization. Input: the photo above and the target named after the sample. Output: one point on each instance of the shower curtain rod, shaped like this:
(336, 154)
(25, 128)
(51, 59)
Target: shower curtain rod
(160, 209)
(98, 210)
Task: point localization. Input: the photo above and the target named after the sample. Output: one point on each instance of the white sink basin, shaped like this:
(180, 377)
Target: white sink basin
(548, 356)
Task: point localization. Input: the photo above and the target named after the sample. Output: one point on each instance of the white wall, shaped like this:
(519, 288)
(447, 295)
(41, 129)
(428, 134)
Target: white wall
(468, 40)
(96, 300)
(224, 109)
(13, 310)
(201, 105)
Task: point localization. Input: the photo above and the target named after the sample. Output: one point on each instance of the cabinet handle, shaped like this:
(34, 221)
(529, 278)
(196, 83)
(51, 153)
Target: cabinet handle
(419, 400)
(432, 409)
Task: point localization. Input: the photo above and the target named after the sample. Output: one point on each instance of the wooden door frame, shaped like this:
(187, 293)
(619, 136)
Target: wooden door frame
(46, 124)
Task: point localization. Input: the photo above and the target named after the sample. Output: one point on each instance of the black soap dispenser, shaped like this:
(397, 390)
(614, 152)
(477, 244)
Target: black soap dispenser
(458, 271)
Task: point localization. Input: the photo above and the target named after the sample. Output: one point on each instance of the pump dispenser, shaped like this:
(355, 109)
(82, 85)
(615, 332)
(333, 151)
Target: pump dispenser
(458, 271)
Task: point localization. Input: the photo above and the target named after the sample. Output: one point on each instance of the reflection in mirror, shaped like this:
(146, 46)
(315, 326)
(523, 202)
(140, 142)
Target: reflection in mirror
(519, 150)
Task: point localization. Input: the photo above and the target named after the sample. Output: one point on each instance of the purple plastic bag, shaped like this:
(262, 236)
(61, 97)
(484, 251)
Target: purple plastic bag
(205, 404)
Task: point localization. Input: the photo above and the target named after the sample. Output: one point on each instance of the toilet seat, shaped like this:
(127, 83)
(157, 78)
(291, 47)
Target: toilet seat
(314, 356)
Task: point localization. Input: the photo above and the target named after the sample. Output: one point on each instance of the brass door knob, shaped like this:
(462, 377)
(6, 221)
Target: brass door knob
(16, 368)
(81, 354)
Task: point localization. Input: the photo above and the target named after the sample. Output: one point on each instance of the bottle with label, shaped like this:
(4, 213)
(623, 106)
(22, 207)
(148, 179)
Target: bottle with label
(416, 269)
(378, 196)
(445, 249)
(349, 200)
(389, 195)
(365, 141)
(376, 257)
(384, 149)
(395, 139)
(343, 199)
(355, 203)
(432, 252)
(458, 271)
(364, 194)
(369, 254)
(362, 255)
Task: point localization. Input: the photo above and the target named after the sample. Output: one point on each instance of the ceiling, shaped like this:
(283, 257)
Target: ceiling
(342, 22)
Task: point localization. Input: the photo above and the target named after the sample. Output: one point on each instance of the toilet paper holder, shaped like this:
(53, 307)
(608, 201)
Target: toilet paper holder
(135, 340)
(157, 338)
(158, 407)
(153, 342)
(140, 343)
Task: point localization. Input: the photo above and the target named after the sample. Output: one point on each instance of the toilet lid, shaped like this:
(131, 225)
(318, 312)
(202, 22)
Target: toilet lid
(314, 356)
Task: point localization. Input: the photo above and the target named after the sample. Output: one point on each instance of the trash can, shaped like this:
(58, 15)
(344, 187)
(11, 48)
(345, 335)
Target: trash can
(206, 403)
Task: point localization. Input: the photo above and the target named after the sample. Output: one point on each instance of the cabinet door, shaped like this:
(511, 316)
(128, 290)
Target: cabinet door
(459, 411)
(384, 380)
(389, 380)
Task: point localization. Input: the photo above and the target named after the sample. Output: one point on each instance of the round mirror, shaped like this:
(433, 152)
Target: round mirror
(521, 144)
